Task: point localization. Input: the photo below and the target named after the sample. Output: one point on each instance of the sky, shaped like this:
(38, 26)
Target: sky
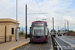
(61, 10)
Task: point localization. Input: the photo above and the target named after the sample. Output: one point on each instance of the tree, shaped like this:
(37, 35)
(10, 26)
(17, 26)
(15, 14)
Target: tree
(21, 32)
(71, 31)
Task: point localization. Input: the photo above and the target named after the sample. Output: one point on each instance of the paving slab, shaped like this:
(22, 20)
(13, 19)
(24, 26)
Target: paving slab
(9, 45)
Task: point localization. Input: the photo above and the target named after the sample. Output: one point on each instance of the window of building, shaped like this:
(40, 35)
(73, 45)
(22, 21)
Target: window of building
(12, 31)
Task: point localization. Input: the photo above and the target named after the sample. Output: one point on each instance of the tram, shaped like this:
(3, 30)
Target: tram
(39, 31)
(53, 33)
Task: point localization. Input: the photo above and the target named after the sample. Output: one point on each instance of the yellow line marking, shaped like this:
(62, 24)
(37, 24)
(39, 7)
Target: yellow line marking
(19, 46)
(51, 44)
(66, 42)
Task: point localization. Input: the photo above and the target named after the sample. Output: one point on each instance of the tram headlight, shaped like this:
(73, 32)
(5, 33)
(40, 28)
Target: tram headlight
(32, 37)
(43, 36)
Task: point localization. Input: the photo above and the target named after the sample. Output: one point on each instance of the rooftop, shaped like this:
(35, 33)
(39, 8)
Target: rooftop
(8, 20)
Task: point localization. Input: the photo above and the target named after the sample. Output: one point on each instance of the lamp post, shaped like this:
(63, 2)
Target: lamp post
(16, 17)
(58, 29)
(67, 26)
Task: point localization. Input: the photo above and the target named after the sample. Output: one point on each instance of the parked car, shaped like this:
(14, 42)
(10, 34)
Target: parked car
(59, 34)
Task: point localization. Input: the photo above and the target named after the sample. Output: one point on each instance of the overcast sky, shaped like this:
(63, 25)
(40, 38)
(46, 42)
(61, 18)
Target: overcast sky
(61, 10)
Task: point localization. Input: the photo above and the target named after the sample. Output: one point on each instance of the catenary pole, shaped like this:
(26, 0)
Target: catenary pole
(65, 27)
(68, 27)
(53, 22)
(58, 27)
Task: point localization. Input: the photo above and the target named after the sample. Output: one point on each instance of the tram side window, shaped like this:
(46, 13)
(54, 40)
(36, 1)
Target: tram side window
(46, 30)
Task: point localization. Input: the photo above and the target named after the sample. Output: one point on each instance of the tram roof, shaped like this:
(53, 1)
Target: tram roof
(39, 22)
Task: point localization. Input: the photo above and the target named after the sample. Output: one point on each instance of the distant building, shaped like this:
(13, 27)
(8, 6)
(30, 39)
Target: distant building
(62, 30)
(53, 30)
(10, 29)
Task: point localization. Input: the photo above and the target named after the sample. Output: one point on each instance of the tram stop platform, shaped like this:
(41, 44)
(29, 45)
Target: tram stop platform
(13, 44)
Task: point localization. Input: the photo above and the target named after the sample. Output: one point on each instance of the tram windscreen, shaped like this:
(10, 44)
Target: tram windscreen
(38, 31)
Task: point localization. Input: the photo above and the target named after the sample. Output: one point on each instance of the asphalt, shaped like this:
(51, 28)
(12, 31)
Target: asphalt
(69, 40)
(64, 45)
(70, 37)
(37, 46)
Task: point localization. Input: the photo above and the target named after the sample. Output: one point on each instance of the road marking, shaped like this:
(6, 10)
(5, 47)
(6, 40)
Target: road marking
(58, 44)
(19, 45)
(51, 43)
(67, 42)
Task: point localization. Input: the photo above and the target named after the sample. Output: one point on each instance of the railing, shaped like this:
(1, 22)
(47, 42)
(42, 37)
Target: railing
(8, 38)
(56, 45)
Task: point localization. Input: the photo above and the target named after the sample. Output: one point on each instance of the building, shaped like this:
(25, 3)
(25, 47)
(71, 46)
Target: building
(62, 30)
(10, 29)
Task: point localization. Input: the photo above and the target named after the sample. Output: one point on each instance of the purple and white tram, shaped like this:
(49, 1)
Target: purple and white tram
(39, 31)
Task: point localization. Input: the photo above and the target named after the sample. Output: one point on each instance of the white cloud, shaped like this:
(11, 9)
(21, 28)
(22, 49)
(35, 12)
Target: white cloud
(70, 20)
(55, 8)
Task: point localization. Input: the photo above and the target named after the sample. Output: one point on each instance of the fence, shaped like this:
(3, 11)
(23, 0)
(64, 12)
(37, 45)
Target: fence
(56, 45)
(7, 39)
(71, 33)
(21, 37)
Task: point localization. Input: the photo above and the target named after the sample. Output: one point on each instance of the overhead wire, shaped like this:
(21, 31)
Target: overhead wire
(39, 7)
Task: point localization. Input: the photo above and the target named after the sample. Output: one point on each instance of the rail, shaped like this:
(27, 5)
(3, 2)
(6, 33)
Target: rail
(56, 45)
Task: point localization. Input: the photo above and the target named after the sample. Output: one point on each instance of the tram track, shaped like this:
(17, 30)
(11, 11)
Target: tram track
(36, 46)
(41, 47)
(27, 47)
(31, 45)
